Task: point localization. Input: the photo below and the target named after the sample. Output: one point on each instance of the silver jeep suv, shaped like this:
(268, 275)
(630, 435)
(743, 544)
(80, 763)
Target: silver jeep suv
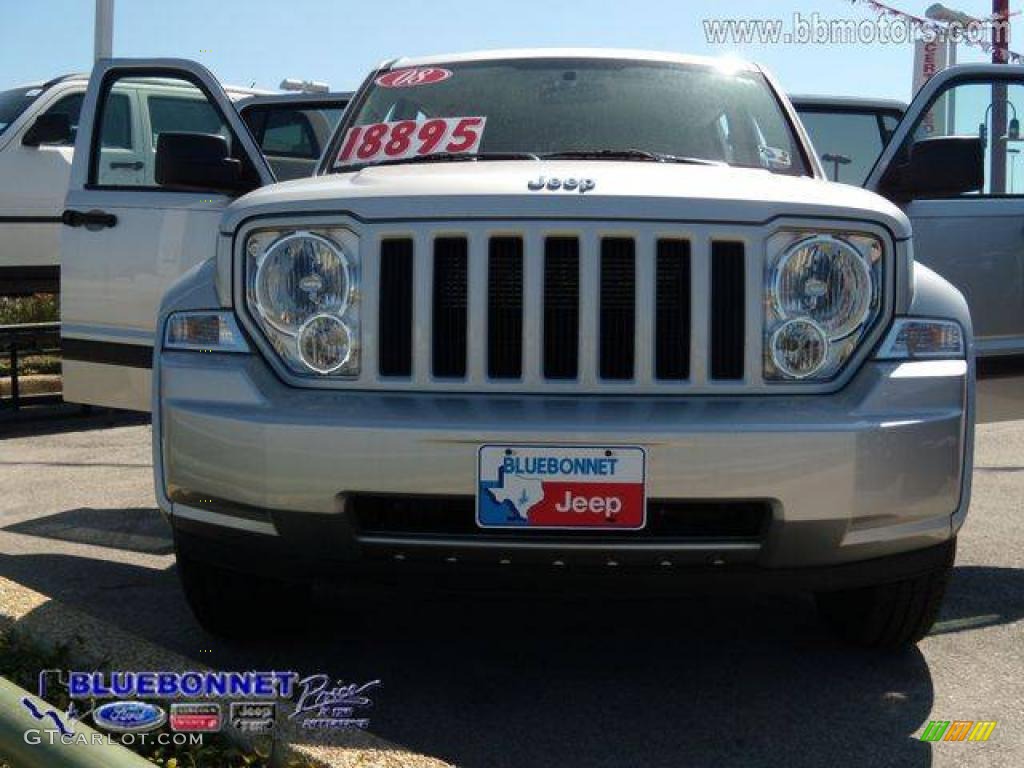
(566, 313)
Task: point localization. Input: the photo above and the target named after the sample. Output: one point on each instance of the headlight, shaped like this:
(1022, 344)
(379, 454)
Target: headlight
(302, 288)
(823, 295)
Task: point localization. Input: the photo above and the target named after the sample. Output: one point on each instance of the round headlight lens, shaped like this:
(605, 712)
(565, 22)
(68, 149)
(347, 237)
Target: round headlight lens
(325, 343)
(827, 280)
(799, 348)
(301, 275)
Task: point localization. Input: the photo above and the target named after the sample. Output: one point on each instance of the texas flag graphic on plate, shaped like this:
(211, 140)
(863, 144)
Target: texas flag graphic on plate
(567, 487)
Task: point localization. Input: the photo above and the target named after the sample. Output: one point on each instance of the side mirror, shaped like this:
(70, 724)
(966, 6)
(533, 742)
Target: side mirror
(198, 161)
(945, 166)
(49, 128)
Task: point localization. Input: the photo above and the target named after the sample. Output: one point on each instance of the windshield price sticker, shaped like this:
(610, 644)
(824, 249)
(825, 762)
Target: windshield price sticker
(410, 78)
(408, 138)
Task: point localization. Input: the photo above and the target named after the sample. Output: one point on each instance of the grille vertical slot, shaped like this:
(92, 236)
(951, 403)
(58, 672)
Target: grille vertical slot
(450, 311)
(617, 308)
(561, 307)
(728, 310)
(672, 311)
(505, 308)
(394, 323)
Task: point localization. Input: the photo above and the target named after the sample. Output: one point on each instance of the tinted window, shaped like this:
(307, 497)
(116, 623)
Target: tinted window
(288, 134)
(847, 142)
(117, 118)
(72, 107)
(14, 102)
(291, 131)
(183, 115)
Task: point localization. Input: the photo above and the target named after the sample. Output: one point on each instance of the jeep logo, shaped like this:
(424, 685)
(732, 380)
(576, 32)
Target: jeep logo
(553, 183)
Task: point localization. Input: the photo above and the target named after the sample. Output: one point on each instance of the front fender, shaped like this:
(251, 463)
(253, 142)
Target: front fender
(936, 297)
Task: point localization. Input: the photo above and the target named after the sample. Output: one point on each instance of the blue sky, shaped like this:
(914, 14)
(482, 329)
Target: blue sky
(262, 41)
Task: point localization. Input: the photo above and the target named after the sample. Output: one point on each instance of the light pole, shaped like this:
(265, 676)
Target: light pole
(1000, 55)
(836, 159)
(103, 37)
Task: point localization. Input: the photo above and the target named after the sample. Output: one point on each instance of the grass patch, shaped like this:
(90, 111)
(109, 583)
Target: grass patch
(39, 308)
(21, 662)
(31, 365)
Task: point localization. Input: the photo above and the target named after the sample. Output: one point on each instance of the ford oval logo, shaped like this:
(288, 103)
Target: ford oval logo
(129, 716)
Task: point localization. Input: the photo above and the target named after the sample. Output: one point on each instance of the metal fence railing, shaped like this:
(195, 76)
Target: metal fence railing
(26, 340)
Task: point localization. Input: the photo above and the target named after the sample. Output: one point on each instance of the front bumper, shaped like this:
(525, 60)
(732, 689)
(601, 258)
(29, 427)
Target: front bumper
(877, 469)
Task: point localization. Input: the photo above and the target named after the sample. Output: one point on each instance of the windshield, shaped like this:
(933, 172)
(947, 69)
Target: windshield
(579, 108)
(14, 102)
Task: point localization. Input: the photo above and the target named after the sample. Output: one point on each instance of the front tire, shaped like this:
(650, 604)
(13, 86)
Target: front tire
(241, 607)
(892, 616)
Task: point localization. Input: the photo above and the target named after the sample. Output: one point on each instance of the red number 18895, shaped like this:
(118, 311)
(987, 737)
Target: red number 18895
(409, 138)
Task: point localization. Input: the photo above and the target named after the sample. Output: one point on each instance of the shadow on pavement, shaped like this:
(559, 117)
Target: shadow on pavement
(134, 530)
(66, 417)
(535, 680)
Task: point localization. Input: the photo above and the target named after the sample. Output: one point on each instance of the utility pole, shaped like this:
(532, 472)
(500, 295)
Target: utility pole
(103, 47)
(998, 134)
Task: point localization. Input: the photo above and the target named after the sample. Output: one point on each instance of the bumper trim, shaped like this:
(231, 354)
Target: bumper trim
(288, 558)
(220, 519)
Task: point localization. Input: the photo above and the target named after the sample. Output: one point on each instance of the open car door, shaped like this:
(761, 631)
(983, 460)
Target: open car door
(293, 129)
(966, 120)
(132, 227)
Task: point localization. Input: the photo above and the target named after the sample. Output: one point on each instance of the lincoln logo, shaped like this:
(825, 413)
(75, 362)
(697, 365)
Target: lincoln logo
(554, 183)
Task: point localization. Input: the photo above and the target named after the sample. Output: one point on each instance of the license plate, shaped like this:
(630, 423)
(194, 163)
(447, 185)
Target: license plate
(561, 487)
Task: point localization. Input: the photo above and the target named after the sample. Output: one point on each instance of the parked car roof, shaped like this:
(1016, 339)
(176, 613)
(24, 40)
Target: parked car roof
(571, 53)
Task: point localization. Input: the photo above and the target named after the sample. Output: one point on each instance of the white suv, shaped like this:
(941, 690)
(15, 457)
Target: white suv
(39, 123)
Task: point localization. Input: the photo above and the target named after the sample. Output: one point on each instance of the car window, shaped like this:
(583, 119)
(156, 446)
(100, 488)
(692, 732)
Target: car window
(889, 124)
(847, 142)
(992, 110)
(117, 119)
(171, 105)
(14, 102)
(183, 114)
(290, 131)
(289, 135)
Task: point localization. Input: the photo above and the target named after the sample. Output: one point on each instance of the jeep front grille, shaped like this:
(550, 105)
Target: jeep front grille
(548, 308)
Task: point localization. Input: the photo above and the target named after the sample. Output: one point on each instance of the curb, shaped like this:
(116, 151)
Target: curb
(15, 721)
(49, 623)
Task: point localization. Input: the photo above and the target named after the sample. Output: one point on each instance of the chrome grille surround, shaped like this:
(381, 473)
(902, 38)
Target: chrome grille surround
(534, 233)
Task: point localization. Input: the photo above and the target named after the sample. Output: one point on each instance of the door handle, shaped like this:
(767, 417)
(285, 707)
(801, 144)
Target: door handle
(135, 165)
(91, 220)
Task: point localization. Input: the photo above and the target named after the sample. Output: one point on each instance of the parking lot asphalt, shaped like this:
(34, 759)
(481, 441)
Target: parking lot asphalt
(538, 680)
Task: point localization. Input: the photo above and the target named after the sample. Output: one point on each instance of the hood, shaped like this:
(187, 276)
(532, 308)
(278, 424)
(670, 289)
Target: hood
(621, 190)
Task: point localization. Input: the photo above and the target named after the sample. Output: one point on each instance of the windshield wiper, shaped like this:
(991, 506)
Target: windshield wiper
(452, 157)
(627, 154)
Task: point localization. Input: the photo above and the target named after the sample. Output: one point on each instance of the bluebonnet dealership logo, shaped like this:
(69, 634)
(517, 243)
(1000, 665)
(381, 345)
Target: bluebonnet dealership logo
(321, 702)
(171, 685)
